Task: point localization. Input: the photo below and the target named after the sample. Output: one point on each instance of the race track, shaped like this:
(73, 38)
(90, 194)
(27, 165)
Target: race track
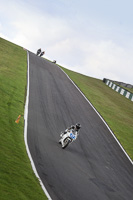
(93, 167)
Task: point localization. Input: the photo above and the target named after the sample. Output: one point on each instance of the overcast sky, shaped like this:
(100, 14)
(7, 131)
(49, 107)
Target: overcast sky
(92, 37)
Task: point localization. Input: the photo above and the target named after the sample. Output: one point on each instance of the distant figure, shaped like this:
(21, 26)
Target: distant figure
(38, 52)
(42, 53)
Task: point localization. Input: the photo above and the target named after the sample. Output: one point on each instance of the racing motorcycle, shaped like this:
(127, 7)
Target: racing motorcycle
(38, 52)
(67, 138)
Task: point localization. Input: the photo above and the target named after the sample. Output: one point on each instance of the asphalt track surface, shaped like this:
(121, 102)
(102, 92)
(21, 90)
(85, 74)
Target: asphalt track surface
(93, 167)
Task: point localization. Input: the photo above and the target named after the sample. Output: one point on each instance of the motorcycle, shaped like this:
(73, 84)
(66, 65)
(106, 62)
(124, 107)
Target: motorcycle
(67, 138)
(42, 53)
(38, 52)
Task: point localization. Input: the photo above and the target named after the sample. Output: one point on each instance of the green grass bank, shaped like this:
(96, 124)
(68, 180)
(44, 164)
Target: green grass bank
(17, 179)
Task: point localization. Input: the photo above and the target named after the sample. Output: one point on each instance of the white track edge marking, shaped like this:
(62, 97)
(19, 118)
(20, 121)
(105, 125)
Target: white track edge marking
(100, 117)
(25, 132)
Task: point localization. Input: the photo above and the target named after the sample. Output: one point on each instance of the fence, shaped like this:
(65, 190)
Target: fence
(118, 89)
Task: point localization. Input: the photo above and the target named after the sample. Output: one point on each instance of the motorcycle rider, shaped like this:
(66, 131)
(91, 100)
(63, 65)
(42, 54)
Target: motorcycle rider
(42, 53)
(38, 51)
(75, 129)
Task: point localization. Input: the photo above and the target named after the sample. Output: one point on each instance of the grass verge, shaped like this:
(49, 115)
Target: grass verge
(113, 107)
(17, 179)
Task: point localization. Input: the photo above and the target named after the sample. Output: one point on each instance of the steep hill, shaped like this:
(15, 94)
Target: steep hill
(17, 177)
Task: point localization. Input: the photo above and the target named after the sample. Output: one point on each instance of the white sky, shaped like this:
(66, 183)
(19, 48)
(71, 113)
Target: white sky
(92, 37)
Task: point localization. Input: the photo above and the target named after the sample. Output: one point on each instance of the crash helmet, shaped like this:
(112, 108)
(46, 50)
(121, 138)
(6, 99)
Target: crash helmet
(78, 126)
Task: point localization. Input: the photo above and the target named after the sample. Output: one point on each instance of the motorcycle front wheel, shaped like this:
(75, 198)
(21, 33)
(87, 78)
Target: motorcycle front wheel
(66, 143)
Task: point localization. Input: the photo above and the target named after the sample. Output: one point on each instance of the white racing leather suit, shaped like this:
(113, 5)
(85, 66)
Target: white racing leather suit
(73, 129)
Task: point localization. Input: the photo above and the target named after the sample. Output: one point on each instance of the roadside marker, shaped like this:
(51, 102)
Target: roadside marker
(17, 120)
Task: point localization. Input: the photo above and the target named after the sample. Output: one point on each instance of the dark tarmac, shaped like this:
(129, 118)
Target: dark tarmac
(93, 167)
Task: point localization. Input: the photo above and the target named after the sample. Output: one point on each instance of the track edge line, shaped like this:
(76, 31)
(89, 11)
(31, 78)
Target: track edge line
(25, 132)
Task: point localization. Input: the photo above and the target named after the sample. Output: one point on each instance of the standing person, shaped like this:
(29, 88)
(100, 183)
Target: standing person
(38, 52)
(42, 53)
